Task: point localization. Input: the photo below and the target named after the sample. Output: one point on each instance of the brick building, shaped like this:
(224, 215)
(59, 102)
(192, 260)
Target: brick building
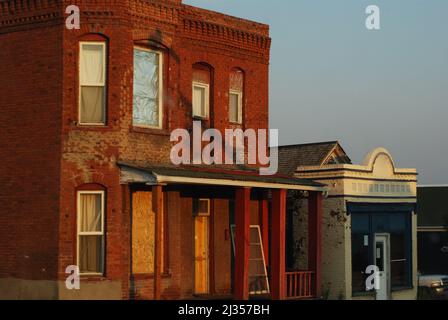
(86, 117)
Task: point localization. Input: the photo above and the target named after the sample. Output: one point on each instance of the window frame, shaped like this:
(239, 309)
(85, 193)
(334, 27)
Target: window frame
(239, 94)
(104, 84)
(161, 80)
(371, 254)
(79, 233)
(205, 86)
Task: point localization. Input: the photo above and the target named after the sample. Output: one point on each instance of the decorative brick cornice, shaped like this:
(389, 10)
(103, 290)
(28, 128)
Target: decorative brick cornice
(193, 23)
(206, 30)
(16, 13)
(214, 26)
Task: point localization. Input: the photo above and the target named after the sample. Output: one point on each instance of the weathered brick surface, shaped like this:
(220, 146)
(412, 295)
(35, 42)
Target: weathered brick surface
(47, 156)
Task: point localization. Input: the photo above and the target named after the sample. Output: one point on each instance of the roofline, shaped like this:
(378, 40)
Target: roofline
(166, 179)
(163, 179)
(432, 186)
(248, 22)
(310, 144)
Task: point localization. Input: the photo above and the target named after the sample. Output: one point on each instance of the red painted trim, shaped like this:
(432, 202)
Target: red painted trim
(278, 263)
(315, 238)
(157, 202)
(211, 249)
(242, 243)
(264, 222)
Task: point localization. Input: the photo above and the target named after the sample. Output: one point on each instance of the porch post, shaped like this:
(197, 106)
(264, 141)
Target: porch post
(157, 206)
(315, 238)
(242, 244)
(278, 263)
(264, 221)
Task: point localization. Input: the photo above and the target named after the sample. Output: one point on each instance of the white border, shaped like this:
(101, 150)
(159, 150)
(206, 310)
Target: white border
(100, 233)
(239, 94)
(103, 44)
(207, 100)
(161, 80)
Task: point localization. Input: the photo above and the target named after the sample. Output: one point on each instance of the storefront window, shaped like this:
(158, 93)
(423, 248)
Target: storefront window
(364, 227)
(360, 250)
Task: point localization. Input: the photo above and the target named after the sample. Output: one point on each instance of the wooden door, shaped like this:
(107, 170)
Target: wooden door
(201, 255)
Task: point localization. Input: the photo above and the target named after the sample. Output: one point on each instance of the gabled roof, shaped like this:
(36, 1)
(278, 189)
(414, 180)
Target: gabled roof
(432, 208)
(311, 154)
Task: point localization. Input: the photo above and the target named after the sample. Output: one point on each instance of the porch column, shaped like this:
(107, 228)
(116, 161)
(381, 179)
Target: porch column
(264, 221)
(278, 263)
(242, 243)
(315, 238)
(157, 206)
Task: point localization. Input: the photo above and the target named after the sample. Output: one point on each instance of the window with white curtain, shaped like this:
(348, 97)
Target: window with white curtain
(148, 85)
(90, 226)
(236, 106)
(92, 83)
(201, 99)
(236, 96)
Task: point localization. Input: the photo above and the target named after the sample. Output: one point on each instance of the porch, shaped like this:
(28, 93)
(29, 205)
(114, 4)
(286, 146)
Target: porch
(224, 262)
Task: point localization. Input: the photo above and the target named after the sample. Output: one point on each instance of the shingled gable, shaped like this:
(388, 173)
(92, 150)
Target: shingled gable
(310, 154)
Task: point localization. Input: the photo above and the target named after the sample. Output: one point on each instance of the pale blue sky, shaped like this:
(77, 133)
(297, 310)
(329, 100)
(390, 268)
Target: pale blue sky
(332, 79)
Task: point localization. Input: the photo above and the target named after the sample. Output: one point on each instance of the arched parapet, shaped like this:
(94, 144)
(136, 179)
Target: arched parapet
(380, 162)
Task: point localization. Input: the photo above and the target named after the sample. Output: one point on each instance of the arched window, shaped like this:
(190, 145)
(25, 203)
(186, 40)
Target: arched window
(92, 80)
(236, 96)
(148, 88)
(91, 200)
(201, 90)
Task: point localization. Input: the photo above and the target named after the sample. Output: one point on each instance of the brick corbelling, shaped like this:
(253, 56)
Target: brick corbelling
(207, 30)
(195, 13)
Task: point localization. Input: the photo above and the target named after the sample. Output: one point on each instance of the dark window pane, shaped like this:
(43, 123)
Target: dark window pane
(380, 222)
(360, 250)
(397, 222)
(398, 260)
(433, 252)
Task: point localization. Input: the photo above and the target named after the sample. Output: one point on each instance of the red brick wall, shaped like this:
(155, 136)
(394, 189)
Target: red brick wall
(30, 150)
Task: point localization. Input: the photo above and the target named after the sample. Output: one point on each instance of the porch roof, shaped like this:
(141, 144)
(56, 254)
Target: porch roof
(212, 175)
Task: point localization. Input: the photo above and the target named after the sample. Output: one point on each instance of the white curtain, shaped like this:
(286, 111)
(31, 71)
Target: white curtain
(92, 79)
(234, 111)
(90, 213)
(146, 88)
(92, 64)
(92, 105)
(90, 246)
(199, 105)
(91, 254)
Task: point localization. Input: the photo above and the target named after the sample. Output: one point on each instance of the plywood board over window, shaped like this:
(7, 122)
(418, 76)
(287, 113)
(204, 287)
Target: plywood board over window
(143, 237)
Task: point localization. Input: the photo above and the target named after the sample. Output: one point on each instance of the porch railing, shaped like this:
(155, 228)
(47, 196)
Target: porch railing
(300, 284)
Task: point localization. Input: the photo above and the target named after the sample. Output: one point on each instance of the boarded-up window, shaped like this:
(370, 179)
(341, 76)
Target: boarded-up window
(147, 105)
(143, 228)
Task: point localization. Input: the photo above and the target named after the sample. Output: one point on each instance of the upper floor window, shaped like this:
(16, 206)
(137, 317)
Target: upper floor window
(91, 232)
(236, 97)
(148, 85)
(201, 92)
(92, 83)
